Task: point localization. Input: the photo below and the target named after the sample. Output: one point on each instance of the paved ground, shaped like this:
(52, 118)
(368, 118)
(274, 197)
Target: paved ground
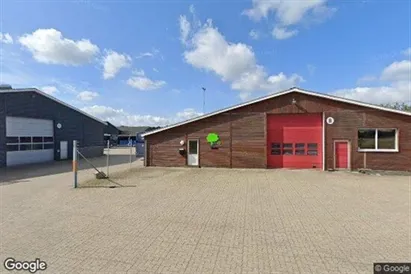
(210, 221)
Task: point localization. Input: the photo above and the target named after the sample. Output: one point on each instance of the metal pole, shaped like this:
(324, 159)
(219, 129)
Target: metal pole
(108, 157)
(204, 100)
(131, 150)
(75, 162)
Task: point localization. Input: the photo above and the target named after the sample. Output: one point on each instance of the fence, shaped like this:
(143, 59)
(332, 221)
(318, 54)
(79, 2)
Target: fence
(103, 171)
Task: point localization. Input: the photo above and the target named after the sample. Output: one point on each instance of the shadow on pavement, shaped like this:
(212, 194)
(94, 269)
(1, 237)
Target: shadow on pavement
(20, 173)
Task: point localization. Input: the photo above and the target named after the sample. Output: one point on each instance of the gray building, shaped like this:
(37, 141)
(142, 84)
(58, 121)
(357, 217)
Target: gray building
(36, 127)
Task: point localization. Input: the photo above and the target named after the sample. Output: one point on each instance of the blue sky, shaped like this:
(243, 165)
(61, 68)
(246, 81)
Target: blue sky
(144, 62)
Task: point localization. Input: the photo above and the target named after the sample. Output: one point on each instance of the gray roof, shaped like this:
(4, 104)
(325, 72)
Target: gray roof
(52, 98)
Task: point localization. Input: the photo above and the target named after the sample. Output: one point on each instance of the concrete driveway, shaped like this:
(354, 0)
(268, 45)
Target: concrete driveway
(185, 220)
(119, 159)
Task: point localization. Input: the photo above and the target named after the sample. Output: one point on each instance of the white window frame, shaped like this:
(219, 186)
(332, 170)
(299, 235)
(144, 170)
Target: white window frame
(376, 149)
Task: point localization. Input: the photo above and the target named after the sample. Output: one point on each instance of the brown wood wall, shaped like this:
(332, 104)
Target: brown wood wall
(243, 135)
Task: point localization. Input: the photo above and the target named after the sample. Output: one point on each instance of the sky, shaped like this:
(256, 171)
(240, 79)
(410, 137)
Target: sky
(144, 63)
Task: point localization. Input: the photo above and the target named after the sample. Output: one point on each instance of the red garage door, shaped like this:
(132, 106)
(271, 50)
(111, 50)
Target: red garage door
(294, 141)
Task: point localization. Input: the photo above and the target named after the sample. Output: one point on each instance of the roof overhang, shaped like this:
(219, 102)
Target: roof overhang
(274, 95)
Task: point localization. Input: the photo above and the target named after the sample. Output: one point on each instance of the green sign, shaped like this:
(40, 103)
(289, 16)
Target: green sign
(213, 139)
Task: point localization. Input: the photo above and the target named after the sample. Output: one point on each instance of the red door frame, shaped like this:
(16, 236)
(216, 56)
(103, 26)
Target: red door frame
(348, 154)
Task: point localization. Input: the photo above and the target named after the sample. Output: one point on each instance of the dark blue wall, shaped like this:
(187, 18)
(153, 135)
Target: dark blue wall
(75, 126)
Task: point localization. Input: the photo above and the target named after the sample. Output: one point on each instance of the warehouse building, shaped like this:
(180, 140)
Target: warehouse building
(36, 127)
(294, 128)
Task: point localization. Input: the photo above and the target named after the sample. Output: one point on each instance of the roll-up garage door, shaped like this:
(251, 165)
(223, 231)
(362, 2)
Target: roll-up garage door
(29, 140)
(294, 141)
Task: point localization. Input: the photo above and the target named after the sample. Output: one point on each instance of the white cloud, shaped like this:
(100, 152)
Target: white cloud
(139, 72)
(185, 28)
(152, 53)
(87, 95)
(187, 113)
(51, 90)
(142, 82)
(233, 62)
(407, 51)
(367, 78)
(397, 71)
(155, 70)
(50, 47)
(398, 92)
(290, 13)
(113, 62)
(6, 38)
(282, 33)
(254, 34)
(397, 77)
(121, 117)
(192, 9)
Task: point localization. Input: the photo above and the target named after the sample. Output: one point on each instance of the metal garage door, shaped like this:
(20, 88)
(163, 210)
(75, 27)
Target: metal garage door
(29, 140)
(294, 141)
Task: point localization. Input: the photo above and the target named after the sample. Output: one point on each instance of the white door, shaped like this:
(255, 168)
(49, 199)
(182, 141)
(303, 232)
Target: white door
(29, 140)
(192, 159)
(63, 150)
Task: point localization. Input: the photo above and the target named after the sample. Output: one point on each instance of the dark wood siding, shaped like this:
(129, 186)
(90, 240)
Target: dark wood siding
(245, 129)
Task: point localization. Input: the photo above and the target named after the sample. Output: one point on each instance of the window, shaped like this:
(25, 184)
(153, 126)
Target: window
(289, 146)
(25, 139)
(37, 139)
(14, 140)
(275, 145)
(275, 148)
(287, 152)
(366, 139)
(25, 147)
(299, 149)
(48, 139)
(312, 149)
(23, 143)
(300, 145)
(386, 138)
(378, 140)
(299, 152)
(312, 152)
(276, 152)
(192, 147)
(312, 146)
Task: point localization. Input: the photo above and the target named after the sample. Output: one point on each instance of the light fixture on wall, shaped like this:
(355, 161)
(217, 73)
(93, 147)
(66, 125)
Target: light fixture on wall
(59, 126)
(182, 142)
(293, 101)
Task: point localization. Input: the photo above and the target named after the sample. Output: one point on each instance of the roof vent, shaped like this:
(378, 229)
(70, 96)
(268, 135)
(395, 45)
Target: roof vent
(5, 86)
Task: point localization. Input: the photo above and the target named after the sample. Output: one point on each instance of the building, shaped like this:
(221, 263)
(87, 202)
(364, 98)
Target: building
(294, 128)
(111, 133)
(36, 127)
(129, 133)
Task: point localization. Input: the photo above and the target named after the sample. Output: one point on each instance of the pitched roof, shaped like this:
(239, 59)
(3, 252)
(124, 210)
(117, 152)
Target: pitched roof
(126, 130)
(51, 98)
(274, 95)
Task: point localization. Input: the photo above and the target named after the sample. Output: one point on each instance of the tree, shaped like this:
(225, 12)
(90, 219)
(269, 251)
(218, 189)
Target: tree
(398, 106)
